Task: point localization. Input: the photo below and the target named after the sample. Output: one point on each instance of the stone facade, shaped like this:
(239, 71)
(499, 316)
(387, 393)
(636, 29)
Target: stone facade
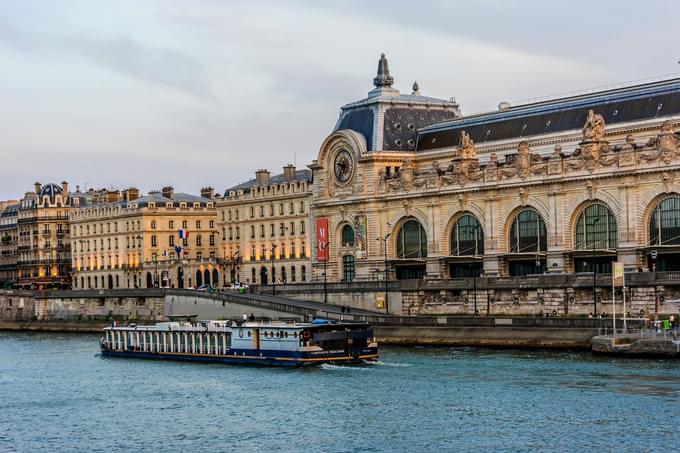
(265, 226)
(9, 240)
(127, 241)
(546, 187)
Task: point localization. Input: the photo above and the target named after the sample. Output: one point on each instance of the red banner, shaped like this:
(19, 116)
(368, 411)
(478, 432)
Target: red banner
(322, 239)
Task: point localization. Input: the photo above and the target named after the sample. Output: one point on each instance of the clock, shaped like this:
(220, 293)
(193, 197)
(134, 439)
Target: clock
(343, 166)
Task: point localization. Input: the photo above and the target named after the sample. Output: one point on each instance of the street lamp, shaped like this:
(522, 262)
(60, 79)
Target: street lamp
(271, 256)
(474, 273)
(594, 270)
(324, 247)
(384, 239)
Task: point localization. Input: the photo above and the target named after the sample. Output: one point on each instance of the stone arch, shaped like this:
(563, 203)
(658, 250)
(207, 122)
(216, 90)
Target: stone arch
(453, 215)
(647, 203)
(396, 228)
(512, 211)
(340, 228)
(344, 138)
(645, 209)
(579, 203)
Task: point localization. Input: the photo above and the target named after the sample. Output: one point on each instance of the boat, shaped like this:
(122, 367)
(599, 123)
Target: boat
(253, 343)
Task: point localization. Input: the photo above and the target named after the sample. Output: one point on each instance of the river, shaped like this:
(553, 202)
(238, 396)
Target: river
(57, 394)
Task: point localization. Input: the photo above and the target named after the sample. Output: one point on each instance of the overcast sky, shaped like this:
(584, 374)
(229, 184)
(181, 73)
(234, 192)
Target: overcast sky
(204, 92)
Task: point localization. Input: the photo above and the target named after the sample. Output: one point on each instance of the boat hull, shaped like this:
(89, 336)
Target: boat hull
(263, 358)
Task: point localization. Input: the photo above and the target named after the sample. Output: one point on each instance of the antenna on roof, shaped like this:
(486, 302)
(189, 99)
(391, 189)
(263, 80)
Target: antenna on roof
(295, 159)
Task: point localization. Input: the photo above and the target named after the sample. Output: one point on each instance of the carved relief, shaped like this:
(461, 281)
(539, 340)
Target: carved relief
(523, 164)
(591, 188)
(555, 162)
(491, 170)
(664, 146)
(627, 152)
(667, 179)
(592, 147)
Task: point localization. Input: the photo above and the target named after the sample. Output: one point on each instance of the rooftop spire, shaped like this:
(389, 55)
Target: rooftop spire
(383, 79)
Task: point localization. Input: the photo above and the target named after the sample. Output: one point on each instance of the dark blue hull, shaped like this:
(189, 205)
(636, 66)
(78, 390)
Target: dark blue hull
(263, 358)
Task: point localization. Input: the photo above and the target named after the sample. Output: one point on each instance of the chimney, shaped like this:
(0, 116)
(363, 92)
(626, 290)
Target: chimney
(168, 192)
(64, 188)
(38, 186)
(289, 172)
(132, 194)
(208, 192)
(112, 196)
(262, 176)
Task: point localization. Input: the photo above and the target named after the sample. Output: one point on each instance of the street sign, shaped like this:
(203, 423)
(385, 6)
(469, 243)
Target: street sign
(618, 275)
(653, 254)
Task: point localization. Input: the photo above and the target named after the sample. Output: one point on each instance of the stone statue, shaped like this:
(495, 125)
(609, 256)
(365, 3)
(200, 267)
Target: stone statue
(466, 150)
(593, 130)
(524, 164)
(667, 142)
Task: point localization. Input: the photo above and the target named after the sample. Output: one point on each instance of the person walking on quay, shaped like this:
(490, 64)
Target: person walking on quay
(245, 317)
(251, 318)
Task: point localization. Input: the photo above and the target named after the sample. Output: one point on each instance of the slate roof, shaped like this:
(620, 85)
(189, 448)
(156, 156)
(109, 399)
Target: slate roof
(300, 175)
(633, 103)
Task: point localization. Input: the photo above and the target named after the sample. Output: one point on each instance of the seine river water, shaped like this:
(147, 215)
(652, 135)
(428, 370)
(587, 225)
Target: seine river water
(57, 394)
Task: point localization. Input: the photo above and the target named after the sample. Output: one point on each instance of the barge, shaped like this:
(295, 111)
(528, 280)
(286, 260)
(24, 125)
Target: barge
(253, 343)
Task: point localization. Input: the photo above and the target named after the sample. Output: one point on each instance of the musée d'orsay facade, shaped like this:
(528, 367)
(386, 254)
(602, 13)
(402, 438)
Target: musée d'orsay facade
(552, 186)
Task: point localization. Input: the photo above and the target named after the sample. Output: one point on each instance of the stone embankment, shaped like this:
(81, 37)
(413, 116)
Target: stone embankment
(644, 343)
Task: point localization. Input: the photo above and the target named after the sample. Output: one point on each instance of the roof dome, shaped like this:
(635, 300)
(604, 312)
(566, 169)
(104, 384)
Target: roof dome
(50, 190)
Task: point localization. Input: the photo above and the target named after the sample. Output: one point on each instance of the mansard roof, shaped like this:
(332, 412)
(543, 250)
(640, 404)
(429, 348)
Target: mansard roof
(632, 103)
(300, 175)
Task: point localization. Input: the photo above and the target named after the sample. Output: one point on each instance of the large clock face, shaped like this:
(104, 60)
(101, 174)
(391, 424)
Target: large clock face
(343, 166)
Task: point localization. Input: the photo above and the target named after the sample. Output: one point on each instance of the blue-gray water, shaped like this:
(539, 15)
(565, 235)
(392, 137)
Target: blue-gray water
(57, 395)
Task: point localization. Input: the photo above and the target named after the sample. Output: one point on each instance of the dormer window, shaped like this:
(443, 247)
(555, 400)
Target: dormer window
(152, 204)
(183, 204)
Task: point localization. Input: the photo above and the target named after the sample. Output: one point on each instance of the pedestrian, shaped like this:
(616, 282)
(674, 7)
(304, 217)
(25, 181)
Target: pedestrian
(245, 317)
(251, 317)
(590, 315)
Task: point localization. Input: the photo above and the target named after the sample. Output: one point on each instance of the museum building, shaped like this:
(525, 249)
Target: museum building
(562, 185)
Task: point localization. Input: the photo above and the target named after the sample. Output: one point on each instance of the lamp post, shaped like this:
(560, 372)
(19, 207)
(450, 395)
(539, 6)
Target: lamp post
(387, 304)
(271, 256)
(594, 270)
(324, 247)
(474, 273)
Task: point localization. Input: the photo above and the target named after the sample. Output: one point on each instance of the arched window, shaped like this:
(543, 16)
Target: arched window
(199, 278)
(596, 228)
(411, 241)
(292, 274)
(347, 236)
(467, 237)
(149, 280)
(527, 233)
(253, 276)
(303, 273)
(206, 277)
(664, 224)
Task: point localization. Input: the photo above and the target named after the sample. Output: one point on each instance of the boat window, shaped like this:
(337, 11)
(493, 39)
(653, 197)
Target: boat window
(249, 333)
(295, 334)
(286, 334)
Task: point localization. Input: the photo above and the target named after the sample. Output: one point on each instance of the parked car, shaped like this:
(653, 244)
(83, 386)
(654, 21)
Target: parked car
(204, 288)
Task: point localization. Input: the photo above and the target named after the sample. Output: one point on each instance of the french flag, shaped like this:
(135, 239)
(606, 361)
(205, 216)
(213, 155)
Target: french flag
(183, 234)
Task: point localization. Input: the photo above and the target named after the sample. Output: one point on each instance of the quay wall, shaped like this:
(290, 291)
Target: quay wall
(647, 294)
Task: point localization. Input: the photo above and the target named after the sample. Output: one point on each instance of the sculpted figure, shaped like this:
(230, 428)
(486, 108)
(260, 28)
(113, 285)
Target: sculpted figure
(593, 130)
(629, 146)
(523, 161)
(667, 142)
(466, 150)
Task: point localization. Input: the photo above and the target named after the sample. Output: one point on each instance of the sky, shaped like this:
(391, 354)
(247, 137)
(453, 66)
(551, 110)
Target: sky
(113, 94)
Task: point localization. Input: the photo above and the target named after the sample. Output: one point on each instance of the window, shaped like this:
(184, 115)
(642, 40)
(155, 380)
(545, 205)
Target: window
(411, 241)
(185, 224)
(153, 224)
(252, 231)
(302, 207)
(153, 241)
(596, 228)
(527, 233)
(171, 224)
(292, 274)
(230, 234)
(171, 240)
(261, 211)
(252, 252)
(236, 212)
(291, 209)
(292, 251)
(271, 210)
(282, 229)
(212, 239)
(252, 212)
(271, 228)
(664, 223)
(228, 215)
(198, 240)
(198, 224)
(303, 273)
(467, 237)
(199, 256)
(261, 231)
(303, 250)
(348, 268)
(185, 242)
(302, 227)
(211, 224)
(347, 236)
(238, 232)
(291, 229)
